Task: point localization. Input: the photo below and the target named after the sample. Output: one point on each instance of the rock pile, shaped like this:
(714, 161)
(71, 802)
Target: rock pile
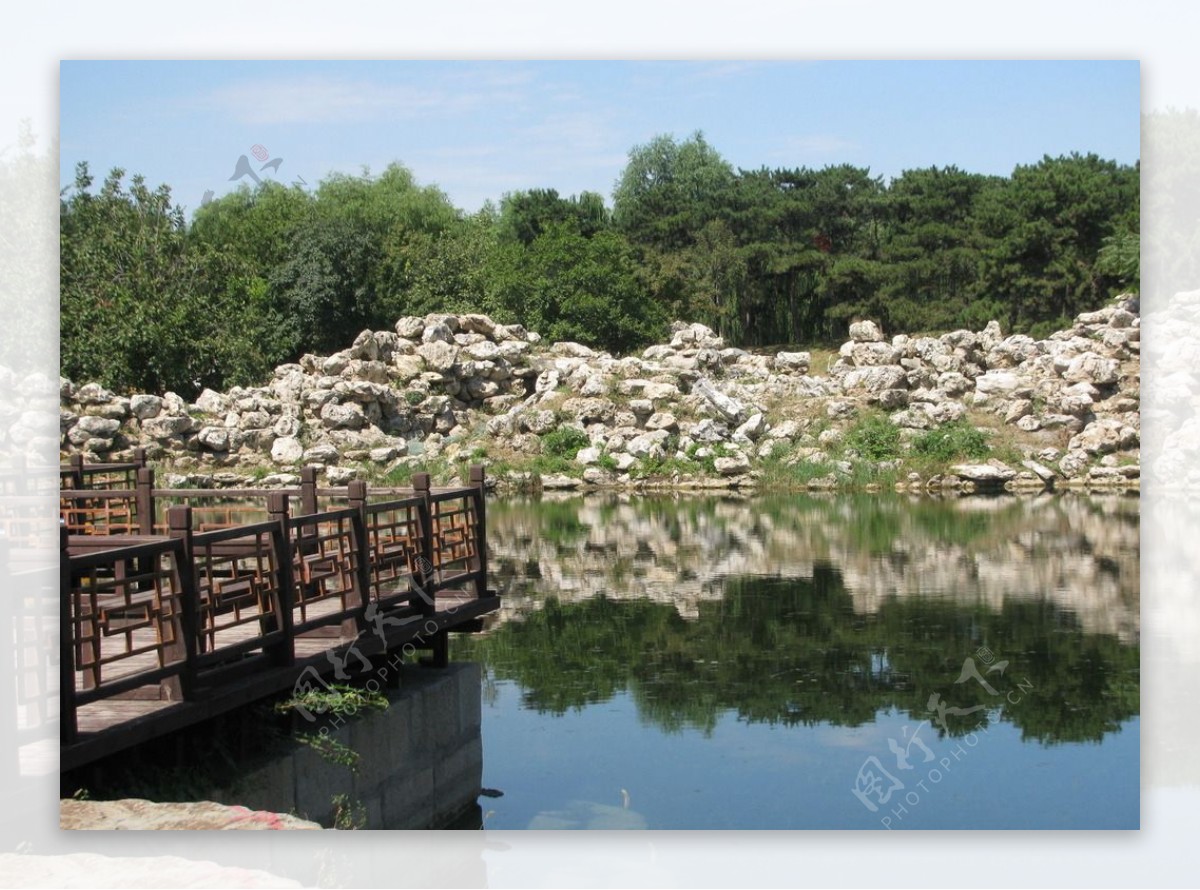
(458, 386)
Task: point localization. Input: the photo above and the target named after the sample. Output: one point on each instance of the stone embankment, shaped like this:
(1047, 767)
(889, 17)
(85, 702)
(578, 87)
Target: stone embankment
(443, 390)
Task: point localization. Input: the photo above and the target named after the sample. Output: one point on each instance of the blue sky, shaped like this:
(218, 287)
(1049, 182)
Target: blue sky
(480, 129)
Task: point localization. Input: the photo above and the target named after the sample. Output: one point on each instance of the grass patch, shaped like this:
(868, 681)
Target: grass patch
(663, 467)
(440, 470)
(953, 441)
(564, 442)
(552, 465)
(782, 469)
(874, 438)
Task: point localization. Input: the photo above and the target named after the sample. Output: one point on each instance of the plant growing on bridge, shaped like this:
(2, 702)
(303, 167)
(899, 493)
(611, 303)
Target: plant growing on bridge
(348, 815)
(338, 699)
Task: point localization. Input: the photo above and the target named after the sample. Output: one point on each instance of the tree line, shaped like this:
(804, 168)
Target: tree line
(153, 302)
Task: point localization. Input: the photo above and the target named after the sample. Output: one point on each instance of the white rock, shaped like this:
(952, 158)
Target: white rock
(696, 336)
(1092, 368)
(410, 327)
(340, 475)
(572, 350)
(732, 465)
(984, 473)
(660, 392)
(342, 417)
(662, 421)
(144, 406)
(709, 430)
(439, 355)
(214, 438)
(624, 461)
(795, 362)
(865, 332)
(731, 408)
(287, 450)
(98, 427)
(559, 482)
(1040, 470)
(874, 380)
(588, 456)
(751, 430)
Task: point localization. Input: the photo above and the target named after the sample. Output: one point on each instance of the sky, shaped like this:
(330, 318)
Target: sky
(479, 130)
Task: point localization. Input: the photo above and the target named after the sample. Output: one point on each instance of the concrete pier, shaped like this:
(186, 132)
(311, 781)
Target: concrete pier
(420, 761)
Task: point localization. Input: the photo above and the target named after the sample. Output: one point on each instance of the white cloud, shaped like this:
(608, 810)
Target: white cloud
(320, 99)
(820, 144)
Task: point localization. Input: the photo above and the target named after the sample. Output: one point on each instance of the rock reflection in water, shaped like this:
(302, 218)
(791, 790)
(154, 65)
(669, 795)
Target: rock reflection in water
(1077, 552)
(800, 610)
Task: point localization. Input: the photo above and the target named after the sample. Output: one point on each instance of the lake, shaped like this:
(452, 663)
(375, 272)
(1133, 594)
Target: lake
(797, 661)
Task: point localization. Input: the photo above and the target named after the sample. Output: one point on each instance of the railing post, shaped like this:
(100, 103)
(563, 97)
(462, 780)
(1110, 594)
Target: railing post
(308, 491)
(68, 723)
(139, 456)
(356, 491)
(480, 563)
(76, 463)
(277, 510)
(144, 500)
(179, 527)
(420, 484)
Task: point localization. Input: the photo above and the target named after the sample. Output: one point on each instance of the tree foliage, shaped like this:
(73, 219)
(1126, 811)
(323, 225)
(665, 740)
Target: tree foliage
(767, 256)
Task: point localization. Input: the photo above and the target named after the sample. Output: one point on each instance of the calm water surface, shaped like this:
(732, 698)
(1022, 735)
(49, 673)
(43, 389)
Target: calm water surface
(850, 662)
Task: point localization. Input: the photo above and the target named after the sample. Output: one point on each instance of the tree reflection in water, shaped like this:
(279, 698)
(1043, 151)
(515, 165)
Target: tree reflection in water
(807, 610)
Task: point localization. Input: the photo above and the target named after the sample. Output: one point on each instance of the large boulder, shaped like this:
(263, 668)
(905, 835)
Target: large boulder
(140, 815)
(865, 332)
(1092, 368)
(875, 379)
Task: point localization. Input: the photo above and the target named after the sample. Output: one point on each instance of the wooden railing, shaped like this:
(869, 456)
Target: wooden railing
(99, 477)
(174, 611)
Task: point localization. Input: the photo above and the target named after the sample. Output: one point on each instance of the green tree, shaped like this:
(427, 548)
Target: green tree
(933, 251)
(526, 215)
(570, 287)
(138, 309)
(1047, 225)
(670, 190)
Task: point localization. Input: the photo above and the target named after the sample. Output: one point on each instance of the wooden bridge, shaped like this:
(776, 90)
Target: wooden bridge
(174, 610)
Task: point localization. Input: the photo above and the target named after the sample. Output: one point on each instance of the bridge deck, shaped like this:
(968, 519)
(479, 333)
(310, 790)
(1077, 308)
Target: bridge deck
(163, 631)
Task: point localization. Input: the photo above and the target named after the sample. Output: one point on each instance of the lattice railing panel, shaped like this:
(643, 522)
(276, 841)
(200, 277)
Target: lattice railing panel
(239, 589)
(112, 513)
(126, 610)
(325, 567)
(394, 543)
(455, 534)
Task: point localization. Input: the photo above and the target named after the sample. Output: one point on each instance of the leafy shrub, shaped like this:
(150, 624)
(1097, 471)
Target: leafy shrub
(564, 442)
(954, 440)
(874, 437)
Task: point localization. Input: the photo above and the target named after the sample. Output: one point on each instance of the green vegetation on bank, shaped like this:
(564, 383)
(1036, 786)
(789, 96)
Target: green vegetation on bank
(153, 302)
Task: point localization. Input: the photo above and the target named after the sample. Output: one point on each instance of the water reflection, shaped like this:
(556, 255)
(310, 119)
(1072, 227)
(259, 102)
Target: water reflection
(797, 652)
(1079, 553)
(697, 647)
